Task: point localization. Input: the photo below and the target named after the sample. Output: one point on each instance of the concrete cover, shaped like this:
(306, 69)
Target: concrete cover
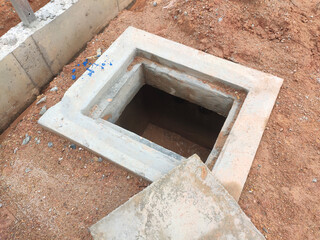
(72, 118)
(187, 203)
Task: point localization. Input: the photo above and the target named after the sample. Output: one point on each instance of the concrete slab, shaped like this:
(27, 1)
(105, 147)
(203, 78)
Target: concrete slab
(187, 203)
(16, 92)
(211, 81)
(32, 61)
(66, 35)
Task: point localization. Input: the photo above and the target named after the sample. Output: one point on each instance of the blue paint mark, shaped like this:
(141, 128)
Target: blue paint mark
(103, 64)
(85, 62)
(110, 64)
(96, 64)
(102, 67)
(73, 77)
(78, 65)
(73, 70)
(90, 63)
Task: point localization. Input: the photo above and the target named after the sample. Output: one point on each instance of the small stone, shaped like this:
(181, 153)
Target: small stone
(281, 129)
(264, 229)
(175, 17)
(54, 89)
(73, 146)
(314, 180)
(100, 159)
(15, 150)
(27, 170)
(42, 100)
(154, 4)
(128, 177)
(259, 166)
(43, 110)
(60, 159)
(26, 140)
(185, 13)
(220, 19)
(99, 52)
(95, 159)
(318, 80)
(50, 144)
(0, 205)
(38, 141)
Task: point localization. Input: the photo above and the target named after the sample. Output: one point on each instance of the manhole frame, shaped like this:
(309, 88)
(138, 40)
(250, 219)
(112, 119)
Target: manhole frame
(67, 118)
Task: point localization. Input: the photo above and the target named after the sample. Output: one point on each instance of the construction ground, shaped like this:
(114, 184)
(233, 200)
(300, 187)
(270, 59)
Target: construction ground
(51, 189)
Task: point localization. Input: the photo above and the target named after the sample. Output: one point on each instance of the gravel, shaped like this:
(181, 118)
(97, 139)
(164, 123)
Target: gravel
(314, 180)
(50, 144)
(26, 140)
(100, 159)
(42, 100)
(43, 110)
(27, 170)
(54, 89)
(73, 146)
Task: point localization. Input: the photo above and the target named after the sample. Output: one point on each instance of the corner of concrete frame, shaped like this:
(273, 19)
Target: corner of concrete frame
(39, 53)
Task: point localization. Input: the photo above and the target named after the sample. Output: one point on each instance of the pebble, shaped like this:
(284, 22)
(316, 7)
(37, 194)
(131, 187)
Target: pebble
(42, 100)
(155, 4)
(318, 80)
(26, 140)
(50, 144)
(175, 17)
(314, 180)
(27, 170)
(73, 146)
(15, 150)
(0, 205)
(264, 229)
(128, 177)
(185, 13)
(43, 110)
(220, 19)
(100, 159)
(38, 141)
(54, 89)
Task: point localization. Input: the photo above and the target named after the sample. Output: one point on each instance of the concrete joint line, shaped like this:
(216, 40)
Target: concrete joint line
(44, 59)
(30, 78)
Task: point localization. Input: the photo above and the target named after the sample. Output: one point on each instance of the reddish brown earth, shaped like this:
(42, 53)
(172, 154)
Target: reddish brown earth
(9, 18)
(61, 199)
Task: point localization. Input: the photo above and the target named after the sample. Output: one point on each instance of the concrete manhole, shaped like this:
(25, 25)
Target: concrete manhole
(159, 102)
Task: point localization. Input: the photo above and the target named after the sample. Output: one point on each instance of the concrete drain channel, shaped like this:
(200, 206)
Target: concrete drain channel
(148, 103)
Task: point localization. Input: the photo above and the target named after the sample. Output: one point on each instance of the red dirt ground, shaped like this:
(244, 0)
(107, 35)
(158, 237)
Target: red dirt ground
(9, 18)
(60, 199)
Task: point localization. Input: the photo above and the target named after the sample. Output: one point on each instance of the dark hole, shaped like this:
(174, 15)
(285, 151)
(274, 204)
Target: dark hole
(172, 122)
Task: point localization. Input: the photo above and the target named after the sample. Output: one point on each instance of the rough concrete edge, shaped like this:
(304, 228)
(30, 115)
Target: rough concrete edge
(15, 40)
(192, 160)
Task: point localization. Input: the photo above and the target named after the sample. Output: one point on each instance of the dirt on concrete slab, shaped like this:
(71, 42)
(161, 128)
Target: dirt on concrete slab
(58, 192)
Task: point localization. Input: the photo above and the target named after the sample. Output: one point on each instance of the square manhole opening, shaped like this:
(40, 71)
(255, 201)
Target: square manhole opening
(172, 108)
(172, 122)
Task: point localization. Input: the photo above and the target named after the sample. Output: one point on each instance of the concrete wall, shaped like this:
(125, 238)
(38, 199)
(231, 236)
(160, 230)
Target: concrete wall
(31, 57)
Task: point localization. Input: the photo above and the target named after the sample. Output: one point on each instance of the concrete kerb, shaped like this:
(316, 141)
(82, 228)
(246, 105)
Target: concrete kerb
(70, 119)
(62, 28)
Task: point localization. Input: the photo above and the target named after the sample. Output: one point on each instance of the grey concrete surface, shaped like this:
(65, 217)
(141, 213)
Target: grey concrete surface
(187, 203)
(42, 49)
(15, 91)
(71, 116)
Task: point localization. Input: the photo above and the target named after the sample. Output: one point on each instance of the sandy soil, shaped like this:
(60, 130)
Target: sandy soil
(9, 18)
(67, 190)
